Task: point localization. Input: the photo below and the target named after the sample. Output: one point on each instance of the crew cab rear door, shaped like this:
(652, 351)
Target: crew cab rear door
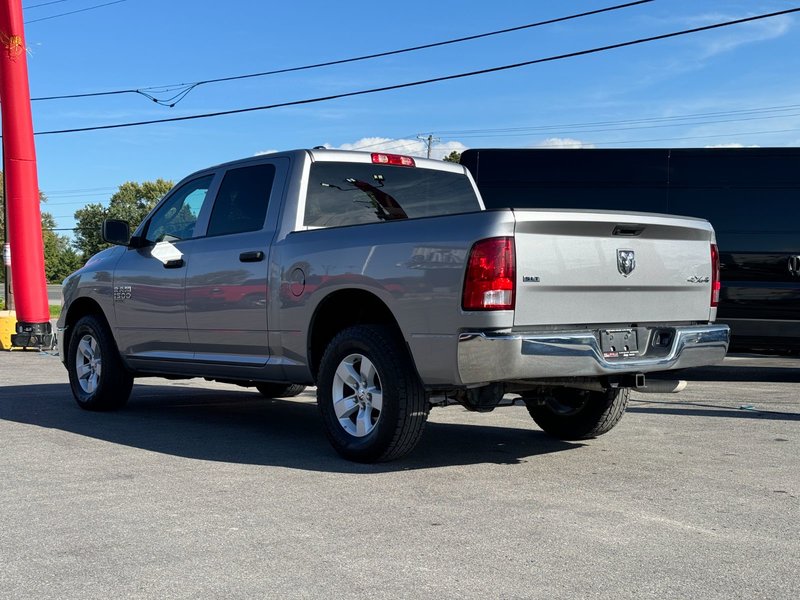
(227, 268)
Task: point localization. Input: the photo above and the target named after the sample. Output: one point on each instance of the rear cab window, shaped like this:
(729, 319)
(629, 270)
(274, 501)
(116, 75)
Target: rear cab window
(242, 200)
(344, 193)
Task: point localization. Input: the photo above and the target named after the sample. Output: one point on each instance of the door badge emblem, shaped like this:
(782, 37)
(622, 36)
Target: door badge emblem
(122, 292)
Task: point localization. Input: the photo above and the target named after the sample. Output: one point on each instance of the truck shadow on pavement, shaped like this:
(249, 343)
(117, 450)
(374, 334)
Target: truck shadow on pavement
(243, 427)
(696, 409)
(744, 367)
(739, 373)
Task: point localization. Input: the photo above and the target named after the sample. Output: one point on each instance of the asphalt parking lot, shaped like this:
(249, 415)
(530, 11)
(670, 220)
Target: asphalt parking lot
(200, 490)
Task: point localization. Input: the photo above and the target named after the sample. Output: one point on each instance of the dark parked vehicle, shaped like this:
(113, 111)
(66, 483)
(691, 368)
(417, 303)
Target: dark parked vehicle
(750, 195)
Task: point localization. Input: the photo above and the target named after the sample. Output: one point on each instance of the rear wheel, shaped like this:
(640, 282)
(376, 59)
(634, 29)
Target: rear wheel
(371, 400)
(572, 414)
(97, 376)
(280, 390)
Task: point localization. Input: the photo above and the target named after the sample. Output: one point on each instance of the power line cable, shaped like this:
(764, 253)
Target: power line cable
(72, 12)
(593, 143)
(52, 193)
(686, 117)
(677, 139)
(183, 89)
(425, 81)
(406, 139)
(77, 199)
(398, 145)
(43, 4)
(584, 130)
(388, 144)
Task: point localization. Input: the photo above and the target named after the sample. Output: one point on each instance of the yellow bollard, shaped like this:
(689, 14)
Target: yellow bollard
(8, 325)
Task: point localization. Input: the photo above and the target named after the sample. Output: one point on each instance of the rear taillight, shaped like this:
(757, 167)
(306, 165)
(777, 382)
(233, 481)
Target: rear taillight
(716, 286)
(393, 159)
(489, 283)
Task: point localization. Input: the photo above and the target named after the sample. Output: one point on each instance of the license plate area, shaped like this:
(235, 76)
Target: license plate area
(619, 343)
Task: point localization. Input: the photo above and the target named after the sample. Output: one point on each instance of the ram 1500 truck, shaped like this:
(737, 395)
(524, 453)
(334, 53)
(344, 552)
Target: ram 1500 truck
(382, 280)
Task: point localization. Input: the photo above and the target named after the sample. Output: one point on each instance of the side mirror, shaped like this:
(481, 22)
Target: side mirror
(116, 231)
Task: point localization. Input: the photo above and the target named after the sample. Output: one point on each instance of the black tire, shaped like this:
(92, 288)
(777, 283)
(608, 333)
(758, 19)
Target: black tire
(361, 432)
(572, 414)
(280, 390)
(97, 376)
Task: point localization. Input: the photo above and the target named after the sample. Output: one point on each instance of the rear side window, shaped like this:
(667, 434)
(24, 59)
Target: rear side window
(354, 193)
(242, 200)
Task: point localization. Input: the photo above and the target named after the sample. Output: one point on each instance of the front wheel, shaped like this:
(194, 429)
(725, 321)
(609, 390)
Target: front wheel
(572, 414)
(97, 376)
(371, 400)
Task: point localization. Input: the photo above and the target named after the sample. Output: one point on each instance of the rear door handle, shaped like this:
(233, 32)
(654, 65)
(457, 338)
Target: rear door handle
(254, 256)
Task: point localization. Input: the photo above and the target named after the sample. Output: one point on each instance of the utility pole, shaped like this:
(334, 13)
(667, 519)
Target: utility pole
(428, 141)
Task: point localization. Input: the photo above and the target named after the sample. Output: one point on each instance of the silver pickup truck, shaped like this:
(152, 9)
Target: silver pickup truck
(382, 280)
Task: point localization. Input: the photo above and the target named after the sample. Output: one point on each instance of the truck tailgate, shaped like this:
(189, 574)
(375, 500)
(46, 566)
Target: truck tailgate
(601, 267)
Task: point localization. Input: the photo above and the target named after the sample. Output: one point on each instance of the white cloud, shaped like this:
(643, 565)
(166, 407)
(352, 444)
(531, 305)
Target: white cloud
(734, 145)
(747, 33)
(557, 142)
(411, 147)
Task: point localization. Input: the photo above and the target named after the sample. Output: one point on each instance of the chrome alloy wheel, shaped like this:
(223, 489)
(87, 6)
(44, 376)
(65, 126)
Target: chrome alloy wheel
(88, 364)
(357, 395)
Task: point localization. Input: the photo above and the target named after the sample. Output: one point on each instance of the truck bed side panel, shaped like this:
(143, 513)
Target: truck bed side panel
(415, 267)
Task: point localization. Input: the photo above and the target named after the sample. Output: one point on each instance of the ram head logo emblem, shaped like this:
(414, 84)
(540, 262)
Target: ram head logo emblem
(626, 261)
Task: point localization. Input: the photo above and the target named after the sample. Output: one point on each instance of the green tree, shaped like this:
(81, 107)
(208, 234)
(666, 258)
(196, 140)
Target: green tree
(60, 259)
(454, 157)
(131, 202)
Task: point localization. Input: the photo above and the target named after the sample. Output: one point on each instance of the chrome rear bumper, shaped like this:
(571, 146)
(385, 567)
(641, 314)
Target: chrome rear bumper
(486, 357)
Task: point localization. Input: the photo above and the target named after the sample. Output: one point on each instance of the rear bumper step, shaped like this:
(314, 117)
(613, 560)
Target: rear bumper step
(486, 357)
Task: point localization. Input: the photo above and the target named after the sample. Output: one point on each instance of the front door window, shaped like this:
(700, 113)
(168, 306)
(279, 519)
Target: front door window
(175, 219)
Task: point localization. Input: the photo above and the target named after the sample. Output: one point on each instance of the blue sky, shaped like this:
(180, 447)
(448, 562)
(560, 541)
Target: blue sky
(652, 95)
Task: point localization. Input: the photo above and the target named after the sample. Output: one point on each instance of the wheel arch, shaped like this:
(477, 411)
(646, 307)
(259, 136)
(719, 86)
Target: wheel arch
(342, 309)
(76, 311)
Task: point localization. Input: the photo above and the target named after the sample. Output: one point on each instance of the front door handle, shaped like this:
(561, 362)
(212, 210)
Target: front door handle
(176, 263)
(254, 256)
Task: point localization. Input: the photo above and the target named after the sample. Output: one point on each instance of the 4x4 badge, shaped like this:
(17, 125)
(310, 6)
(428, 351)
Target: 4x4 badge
(626, 261)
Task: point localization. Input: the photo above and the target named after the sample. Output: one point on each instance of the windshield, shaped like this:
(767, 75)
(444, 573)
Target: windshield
(353, 193)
